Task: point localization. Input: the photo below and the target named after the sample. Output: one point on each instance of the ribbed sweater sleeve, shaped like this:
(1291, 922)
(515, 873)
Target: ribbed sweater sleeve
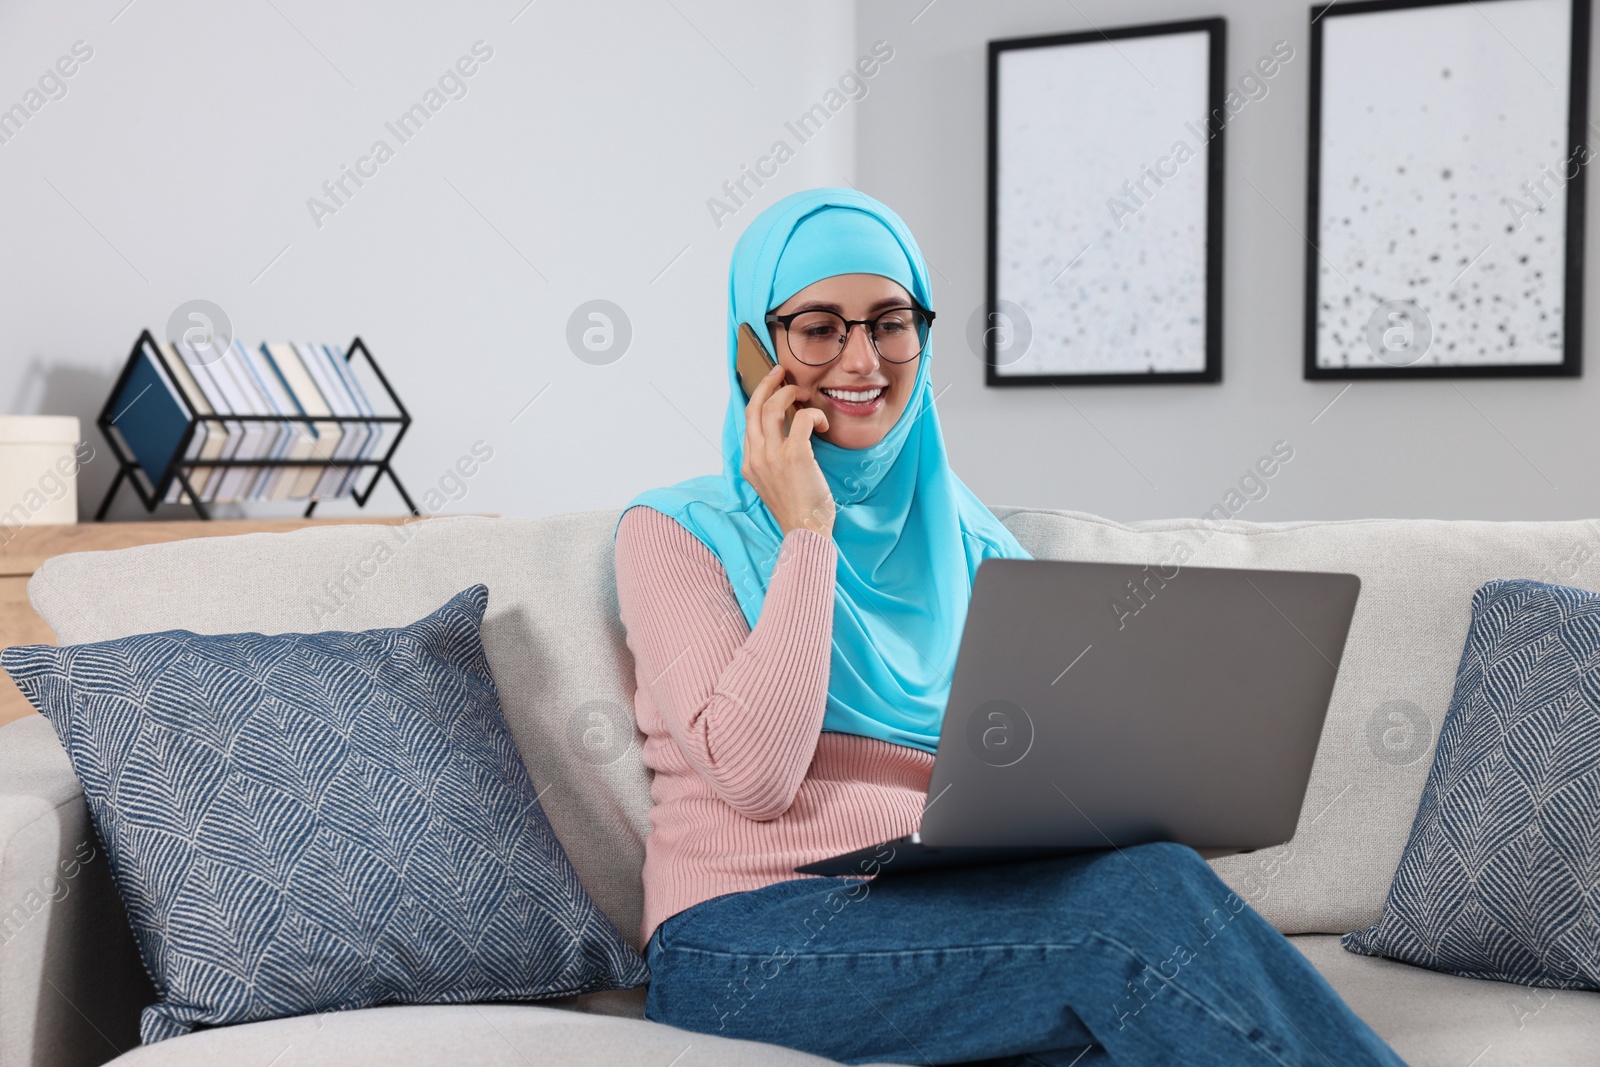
(744, 706)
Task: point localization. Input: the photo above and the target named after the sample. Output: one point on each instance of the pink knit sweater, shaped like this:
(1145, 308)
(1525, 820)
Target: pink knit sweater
(746, 786)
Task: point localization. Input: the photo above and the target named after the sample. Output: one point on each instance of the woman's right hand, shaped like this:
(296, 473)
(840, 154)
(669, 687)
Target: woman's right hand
(783, 469)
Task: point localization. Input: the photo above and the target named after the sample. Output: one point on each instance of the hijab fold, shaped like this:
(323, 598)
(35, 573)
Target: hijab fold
(909, 533)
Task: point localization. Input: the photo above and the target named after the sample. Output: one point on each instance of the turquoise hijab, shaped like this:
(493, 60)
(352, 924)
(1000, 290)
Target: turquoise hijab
(909, 534)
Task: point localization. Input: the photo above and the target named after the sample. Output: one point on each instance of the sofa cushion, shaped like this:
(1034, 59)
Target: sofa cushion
(487, 1035)
(311, 822)
(1441, 1020)
(1501, 875)
(1394, 683)
(1430, 1019)
(552, 634)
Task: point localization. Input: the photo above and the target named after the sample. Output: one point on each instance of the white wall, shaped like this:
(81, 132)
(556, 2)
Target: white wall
(1488, 449)
(590, 143)
(179, 163)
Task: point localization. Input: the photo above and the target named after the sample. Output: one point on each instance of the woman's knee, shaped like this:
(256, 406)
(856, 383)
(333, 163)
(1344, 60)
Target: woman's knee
(1180, 861)
(1164, 870)
(1188, 883)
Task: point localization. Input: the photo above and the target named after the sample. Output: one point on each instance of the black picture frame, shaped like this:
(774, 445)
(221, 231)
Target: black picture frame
(1571, 364)
(1215, 116)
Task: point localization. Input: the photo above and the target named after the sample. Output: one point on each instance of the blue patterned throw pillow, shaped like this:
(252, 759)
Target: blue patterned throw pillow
(316, 822)
(1500, 877)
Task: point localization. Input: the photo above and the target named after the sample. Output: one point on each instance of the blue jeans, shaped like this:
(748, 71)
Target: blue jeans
(1137, 956)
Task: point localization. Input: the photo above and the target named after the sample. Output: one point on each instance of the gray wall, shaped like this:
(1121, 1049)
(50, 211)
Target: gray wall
(578, 166)
(1480, 449)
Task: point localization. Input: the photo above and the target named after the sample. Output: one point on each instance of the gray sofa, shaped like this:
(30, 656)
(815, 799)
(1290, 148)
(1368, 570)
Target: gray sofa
(71, 985)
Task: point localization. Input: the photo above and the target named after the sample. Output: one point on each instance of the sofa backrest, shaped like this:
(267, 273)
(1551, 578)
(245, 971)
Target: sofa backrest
(566, 680)
(1394, 683)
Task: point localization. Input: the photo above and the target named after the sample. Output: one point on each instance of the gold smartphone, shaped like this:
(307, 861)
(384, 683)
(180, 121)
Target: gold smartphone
(754, 364)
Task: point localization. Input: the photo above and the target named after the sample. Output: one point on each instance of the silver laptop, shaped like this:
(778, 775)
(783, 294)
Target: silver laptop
(1102, 705)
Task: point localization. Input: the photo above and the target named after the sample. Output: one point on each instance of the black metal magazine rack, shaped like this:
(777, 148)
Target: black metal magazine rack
(180, 466)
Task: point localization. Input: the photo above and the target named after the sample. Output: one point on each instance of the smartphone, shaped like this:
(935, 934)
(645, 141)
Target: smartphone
(755, 364)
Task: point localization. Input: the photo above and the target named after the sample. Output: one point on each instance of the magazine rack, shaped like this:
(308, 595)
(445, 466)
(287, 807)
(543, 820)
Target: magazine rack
(151, 492)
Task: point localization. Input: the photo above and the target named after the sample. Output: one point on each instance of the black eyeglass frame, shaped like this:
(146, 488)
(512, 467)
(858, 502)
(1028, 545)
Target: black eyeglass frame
(849, 324)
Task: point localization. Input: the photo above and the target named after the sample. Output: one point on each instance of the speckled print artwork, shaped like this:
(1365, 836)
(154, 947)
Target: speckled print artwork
(1104, 289)
(1444, 154)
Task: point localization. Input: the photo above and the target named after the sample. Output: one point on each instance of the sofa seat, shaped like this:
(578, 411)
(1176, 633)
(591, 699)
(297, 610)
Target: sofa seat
(485, 1035)
(1430, 1019)
(1440, 1020)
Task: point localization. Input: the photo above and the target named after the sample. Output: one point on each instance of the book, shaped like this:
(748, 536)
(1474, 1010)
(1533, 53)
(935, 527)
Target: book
(268, 435)
(316, 364)
(212, 434)
(149, 418)
(297, 380)
(265, 404)
(254, 436)
(274, 437)
(175, 491)
(294, 438)
(358, 431)
(218, 402)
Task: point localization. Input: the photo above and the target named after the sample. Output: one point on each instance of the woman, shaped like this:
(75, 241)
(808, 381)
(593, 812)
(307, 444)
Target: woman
(794, 623)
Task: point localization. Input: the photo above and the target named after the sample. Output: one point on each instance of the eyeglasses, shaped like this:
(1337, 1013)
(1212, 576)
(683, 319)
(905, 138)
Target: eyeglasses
(898, 335)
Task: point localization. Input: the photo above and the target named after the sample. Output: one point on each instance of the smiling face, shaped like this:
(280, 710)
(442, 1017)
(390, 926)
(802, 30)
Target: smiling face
(874, 390)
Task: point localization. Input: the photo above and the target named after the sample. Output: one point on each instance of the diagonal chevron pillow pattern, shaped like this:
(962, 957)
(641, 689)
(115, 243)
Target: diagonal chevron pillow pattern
(315, 822)
(1500, 877)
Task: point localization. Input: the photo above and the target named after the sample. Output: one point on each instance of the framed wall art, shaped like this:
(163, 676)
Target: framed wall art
(1105, 207)
(1446, 200)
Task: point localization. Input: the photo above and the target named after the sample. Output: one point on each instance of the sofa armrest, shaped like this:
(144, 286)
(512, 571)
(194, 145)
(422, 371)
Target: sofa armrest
(71, 984)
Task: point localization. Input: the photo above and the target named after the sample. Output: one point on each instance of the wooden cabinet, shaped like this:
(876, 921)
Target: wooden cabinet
(32, 545)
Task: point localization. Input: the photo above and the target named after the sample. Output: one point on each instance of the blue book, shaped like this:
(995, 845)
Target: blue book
(149, 417)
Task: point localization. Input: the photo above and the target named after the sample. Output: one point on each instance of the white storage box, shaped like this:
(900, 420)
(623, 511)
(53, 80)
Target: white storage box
(39, 462)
